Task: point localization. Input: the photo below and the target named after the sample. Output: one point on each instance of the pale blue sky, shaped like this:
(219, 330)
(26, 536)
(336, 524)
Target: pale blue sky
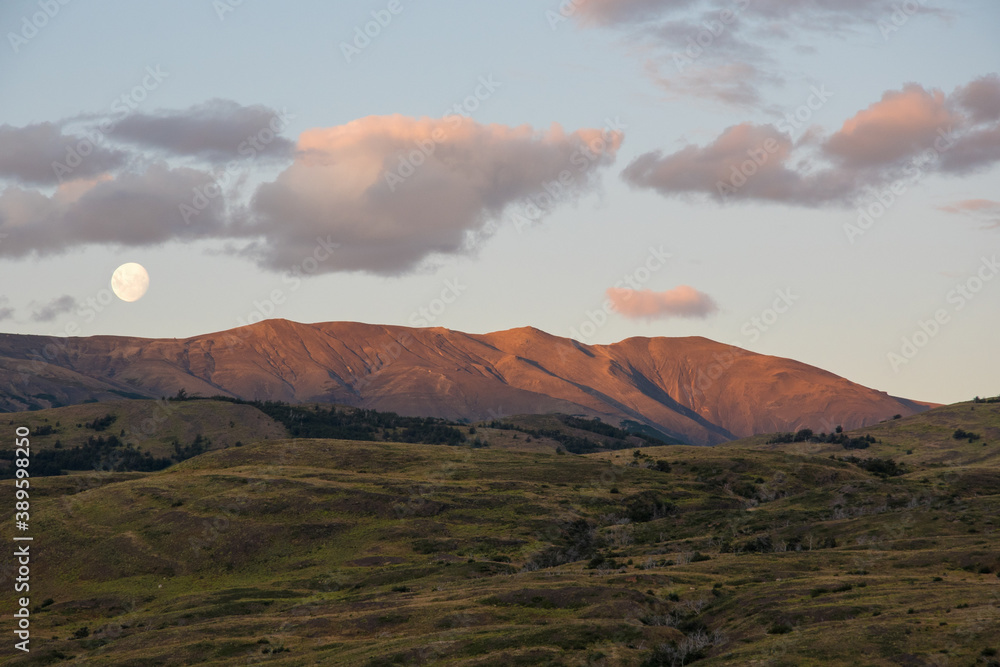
(854, 304)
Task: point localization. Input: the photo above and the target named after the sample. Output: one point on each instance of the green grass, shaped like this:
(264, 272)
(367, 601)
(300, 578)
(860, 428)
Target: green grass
(301, 552)
(150, 425)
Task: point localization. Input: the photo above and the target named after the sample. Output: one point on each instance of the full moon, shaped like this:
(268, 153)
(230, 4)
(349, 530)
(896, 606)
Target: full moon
(130, 281)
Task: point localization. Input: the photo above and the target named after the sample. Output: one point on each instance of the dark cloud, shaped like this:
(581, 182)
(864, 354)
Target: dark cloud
(42, 154)
(53, 309)
(216, 130)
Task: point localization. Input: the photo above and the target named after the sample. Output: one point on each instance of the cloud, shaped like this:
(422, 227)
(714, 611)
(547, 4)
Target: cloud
(683, 301)
(736, 84)
(216, 130)
(902, 137)
(611, 12)
(720, 169)
(900, 124)
(392, 191)
(388, 192)
(981, 98)
(985, 210)
(815, 14)
(54, 308)
(6, 312)
(133, 209)
(27, 154)
(726, 37)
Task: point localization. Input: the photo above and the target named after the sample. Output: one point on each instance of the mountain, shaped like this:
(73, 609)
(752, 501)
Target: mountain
(693, 388)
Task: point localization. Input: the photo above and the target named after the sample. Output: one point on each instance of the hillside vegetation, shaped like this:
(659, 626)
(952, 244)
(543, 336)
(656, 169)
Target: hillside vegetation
(321, 551)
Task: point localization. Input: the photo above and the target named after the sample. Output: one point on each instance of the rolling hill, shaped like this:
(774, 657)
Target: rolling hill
(692, 389)
(319, 551)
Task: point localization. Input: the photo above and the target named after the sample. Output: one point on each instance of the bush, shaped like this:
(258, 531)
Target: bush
(647, 506)
(877, 466)
(961, 434)
(101, 423)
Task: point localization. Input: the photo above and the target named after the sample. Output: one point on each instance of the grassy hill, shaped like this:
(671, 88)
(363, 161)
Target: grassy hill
(319, 551)
(926, 440)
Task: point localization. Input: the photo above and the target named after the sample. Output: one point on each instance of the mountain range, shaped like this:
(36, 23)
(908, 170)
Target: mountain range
(694, 389)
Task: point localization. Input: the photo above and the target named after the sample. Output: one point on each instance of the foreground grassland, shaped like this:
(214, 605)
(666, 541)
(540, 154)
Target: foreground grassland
(304, 552)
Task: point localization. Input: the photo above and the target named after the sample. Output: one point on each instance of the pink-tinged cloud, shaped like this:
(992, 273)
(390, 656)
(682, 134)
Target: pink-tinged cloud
(985, 210)
(900, 124)
(907, 134)
(745, 161)
(972, 205)
(387, 192)
(610, 12)
(683, 301)
(393, 191)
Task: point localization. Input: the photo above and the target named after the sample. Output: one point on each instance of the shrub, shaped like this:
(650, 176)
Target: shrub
(647, 506)
(101, 423)
(779, 629)
(962, 434)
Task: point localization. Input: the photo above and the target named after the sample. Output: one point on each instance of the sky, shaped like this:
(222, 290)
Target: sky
(814, 179)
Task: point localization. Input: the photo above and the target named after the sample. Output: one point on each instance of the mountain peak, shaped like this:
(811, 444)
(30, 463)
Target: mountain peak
(675, 385)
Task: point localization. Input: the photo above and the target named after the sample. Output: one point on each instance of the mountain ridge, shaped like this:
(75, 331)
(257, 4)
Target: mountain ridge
(691, 388)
